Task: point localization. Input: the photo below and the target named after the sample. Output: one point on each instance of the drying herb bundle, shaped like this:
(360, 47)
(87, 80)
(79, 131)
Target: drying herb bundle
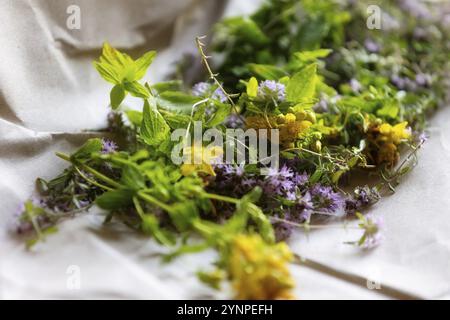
(347, 101)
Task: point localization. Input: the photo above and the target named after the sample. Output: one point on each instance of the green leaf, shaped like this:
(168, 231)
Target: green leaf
(267, 72)
(174, 85)
(115, 199)
(135, 117)
(86, 150)
(311, 56)
(132, 177)
(136, 89)
(222, 112)
(302, 86)
(252, 87)
(142, 64)
(113, 65)
(390, 109)
(117, 67)
(154, 129)
(177, 101)
(176, 120)
(116, 96)
(246, 29)
(183, 214)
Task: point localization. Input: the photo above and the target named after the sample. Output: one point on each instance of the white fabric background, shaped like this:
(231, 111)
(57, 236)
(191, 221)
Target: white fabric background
(49, 92)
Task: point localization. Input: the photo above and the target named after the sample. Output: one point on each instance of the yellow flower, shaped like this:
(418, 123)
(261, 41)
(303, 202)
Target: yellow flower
(290, 125)
(385, 139)
(395, 134)
(200, 159)
(259, 270)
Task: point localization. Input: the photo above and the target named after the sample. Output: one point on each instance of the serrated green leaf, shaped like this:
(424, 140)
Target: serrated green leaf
(302, 86)
(117, 67)
(177, 101)
(142, 64)
(136, 89)
(154, 129)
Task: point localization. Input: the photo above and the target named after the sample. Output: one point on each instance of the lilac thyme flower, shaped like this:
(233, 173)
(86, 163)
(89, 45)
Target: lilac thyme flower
(325, 199)
(108, 146)
(201, 89)
(270, 89)
(355, 85)
(204, 89)
(218, 94)
(371, 46)
(372, 226)
(362, 197)
(234, 121)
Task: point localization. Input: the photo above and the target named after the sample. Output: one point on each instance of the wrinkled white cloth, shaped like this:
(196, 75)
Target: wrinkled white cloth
(49, 93)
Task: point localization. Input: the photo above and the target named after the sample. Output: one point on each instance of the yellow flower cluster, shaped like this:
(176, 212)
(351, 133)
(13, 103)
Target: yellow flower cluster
(386, 138)
(259, 270)
(291, 125)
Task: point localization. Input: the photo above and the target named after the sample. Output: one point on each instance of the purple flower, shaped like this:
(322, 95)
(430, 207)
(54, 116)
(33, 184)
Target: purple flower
(373, 227)
(234, 121)
(279, 181)
(305, 204)
(201, 89)
(371, 46)
(286, 172)
(324, 198)
(301, 179)
(108, 146)
(282, 230)
(218, 94)
(355, 85)
(416, 8)
(423, 79)
(270, 89)
(362, 197)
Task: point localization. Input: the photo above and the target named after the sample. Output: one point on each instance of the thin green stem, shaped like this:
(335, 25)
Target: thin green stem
(152, 200)
(221, 198)
(90, 170)
(93, 182)
(138, 207)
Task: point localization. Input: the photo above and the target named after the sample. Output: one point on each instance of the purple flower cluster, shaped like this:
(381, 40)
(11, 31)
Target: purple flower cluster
(108, 146)
(204, 89)
(270, 89)
(287, 194)
(405, 83)
(234, 121)
(326, 201)
(371, 46)
(361, 198)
